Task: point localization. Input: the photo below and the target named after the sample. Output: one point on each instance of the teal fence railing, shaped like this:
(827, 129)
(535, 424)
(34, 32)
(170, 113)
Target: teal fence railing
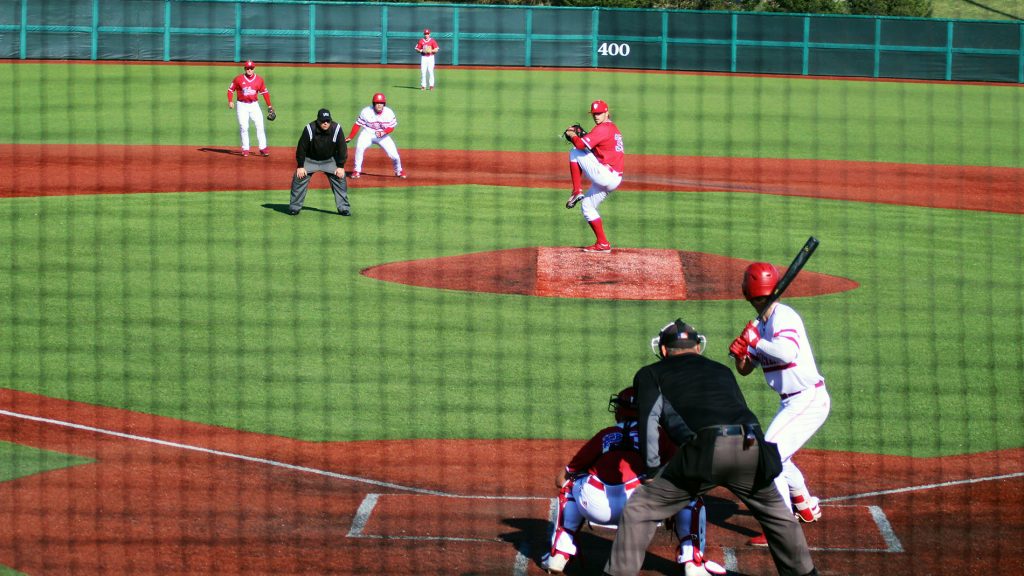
(374, 33)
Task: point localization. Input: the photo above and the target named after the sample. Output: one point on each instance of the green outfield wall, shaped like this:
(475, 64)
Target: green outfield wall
(370, 33)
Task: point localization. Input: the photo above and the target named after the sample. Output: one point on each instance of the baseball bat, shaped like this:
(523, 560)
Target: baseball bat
(798, 263)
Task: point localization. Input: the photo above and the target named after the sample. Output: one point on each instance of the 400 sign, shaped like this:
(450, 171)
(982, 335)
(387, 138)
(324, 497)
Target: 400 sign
(613, 49)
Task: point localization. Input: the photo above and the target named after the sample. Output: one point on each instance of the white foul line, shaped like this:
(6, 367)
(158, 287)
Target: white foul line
(257, 460)
(923, 487)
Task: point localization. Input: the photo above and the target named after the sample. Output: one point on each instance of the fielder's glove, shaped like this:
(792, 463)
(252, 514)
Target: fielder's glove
(271, 115)
(578, 130)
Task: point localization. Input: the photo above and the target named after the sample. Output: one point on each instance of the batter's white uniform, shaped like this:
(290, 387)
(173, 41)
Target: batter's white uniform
(375, 129)
(784, 354)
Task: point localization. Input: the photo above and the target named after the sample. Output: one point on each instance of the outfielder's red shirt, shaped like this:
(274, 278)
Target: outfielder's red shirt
(425, 42)
(248, 89)
(605, 141)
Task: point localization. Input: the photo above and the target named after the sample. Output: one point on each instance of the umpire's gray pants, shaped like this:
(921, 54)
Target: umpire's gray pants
(338, 185)
(733, 467)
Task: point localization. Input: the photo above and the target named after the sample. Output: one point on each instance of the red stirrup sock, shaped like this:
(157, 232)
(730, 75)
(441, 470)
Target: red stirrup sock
(576, 174)
(598, 229)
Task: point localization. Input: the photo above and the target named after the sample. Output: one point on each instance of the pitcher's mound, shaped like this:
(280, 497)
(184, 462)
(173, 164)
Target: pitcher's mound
(625, 274)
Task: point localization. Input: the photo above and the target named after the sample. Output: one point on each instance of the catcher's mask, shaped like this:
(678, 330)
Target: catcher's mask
(623, 405)
(379, 98)
(678, 334)
(759, 279)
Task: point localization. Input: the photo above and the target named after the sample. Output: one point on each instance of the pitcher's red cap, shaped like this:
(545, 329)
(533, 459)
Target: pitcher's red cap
(598, 107)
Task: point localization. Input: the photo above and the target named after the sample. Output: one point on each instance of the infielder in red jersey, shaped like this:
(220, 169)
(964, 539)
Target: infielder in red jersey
(248, 86)
(596, 483)
(781, 348)
(601, 156)
(427, 47)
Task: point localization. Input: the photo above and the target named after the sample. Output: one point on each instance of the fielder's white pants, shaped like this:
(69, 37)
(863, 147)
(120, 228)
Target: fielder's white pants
(798, 418)
(366, 139)
(427, 71)
(247, 111)
(603, 180)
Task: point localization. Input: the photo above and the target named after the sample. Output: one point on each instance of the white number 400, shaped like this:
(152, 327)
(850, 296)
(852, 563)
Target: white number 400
(613, 49)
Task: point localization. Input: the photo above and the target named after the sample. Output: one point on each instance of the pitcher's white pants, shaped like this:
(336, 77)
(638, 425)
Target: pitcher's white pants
(603, 180)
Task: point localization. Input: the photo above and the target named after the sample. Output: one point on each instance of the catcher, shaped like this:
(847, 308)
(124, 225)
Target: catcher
(601, 477)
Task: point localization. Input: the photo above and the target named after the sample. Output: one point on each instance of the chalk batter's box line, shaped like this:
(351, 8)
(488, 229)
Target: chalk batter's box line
(369, 503)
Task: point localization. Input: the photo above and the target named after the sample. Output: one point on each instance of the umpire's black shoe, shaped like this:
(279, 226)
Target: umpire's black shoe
(344, 212)
(292, 211)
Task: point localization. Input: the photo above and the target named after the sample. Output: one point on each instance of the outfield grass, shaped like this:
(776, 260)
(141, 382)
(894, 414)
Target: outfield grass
(678, 114)
(978, 9)
(219, 309)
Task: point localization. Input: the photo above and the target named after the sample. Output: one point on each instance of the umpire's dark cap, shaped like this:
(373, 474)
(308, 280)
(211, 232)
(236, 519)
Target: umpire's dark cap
(324, 115)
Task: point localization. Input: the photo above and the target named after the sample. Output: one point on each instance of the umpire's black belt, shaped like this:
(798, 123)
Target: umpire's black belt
(730, 429)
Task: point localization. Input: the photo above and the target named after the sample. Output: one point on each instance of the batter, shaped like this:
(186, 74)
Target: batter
(781, 348)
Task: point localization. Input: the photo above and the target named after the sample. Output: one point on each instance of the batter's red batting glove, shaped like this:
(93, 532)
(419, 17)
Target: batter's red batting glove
(738, 348)
(751, 334)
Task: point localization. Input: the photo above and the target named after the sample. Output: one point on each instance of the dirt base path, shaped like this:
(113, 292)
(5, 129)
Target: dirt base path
(167, 496)
(48, 170)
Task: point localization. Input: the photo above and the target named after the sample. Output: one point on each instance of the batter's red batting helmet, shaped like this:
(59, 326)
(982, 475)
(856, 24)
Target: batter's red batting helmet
(759, 280)
(623, 405)
(379, 98)
(598, 107)
(250, 64)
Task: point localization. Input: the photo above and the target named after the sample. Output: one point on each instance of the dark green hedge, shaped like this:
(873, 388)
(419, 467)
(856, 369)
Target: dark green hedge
(921, 8)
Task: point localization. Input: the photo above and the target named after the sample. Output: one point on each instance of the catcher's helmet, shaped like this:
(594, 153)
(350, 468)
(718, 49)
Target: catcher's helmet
(623, 405)
(678, 334)
(379, 98)
(759, 279)
(598, 107)
(249, 64)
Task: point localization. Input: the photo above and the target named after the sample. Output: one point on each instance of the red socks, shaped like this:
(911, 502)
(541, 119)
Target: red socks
(598, 229)
(576, 174)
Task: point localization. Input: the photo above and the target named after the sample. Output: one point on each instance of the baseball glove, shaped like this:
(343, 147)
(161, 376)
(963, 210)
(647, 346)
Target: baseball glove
(271, 114)
(580, 132)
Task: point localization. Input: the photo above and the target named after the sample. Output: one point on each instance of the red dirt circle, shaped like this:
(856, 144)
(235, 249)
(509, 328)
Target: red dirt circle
(625, 274)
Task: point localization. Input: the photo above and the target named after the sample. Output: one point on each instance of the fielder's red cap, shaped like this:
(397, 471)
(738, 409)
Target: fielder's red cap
(598, 107)
(426, 31)
(250, 64)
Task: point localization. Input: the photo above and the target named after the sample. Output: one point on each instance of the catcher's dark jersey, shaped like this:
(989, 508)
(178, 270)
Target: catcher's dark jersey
(613, 454)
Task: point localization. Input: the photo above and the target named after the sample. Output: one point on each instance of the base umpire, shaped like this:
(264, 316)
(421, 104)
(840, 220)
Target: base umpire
(697, 402)
(321, 148)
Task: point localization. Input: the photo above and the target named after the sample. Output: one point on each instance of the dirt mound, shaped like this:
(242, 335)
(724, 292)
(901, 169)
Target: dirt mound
(625, 274)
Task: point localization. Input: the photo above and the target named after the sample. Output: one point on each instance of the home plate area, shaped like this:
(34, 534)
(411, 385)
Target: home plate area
(520, 528)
